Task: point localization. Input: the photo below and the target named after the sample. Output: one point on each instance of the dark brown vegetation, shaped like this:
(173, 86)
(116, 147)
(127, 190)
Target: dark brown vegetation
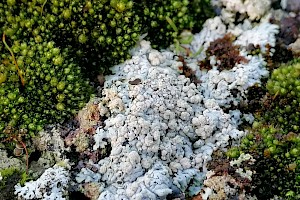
(227, 54)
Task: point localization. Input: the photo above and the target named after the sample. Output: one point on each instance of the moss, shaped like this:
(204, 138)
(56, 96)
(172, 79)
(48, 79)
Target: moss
(185, 14)
(54, 89)
(6, 173)
(277, 161)
(285, 80)
(10, 177)
(274, 138)
(227, 55)
(283, 87)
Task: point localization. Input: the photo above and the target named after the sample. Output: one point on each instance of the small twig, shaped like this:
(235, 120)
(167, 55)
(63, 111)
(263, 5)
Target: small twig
(275, 95)
(170, 21)
(198, 52)
(27, 159)
(42, 8)
(14, 59)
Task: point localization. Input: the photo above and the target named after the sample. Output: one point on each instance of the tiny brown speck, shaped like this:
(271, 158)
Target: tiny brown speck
(101, 79)
(135, 82)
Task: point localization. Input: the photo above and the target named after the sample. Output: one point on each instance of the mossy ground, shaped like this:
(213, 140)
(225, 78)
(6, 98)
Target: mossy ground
(274, 138)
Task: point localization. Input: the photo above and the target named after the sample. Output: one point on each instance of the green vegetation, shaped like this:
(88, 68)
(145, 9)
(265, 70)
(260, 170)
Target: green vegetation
(284, 86)
(277, 161)
(274, 139)
(5, 174)
(98, 33)
(53, 90)
(101, 32)
(9, 178)
(186, 14)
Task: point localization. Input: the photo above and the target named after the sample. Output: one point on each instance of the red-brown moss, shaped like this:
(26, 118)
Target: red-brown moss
(227, 54)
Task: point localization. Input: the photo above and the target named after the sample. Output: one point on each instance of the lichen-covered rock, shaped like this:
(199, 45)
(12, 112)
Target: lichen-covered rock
(7, 162)
(155, 115)
(218, 84)
(251, 9)
(50, 140)
(52, 185)
(50, 144)
(261, 36)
